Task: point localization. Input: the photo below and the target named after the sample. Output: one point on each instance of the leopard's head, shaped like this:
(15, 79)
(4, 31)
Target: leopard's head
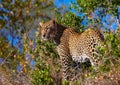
(49, 30)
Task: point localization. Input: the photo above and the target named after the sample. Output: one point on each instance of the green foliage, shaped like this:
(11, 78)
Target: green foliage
(112, 43)
(21, 16)
(110, 51)
(7, 54)
(41, 75)
(24, 16)
(70, 20)
(46, 59)
(90, 5)
(46, 48)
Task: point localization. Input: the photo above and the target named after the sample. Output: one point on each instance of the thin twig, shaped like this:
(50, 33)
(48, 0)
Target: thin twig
(6, 58)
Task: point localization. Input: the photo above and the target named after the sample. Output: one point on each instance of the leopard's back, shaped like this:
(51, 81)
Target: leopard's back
(84, 45)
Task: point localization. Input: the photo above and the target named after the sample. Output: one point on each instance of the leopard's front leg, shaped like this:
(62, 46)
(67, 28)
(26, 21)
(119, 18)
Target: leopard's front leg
(69, 69)
(66, 62)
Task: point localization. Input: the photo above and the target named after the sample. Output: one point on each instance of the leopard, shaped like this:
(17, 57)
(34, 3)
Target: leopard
(73, 47)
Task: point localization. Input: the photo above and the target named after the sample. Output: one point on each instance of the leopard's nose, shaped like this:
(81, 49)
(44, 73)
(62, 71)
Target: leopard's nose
(44, 35)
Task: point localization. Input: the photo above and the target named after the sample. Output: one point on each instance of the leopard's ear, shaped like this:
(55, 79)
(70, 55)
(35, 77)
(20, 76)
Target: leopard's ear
(41, 24)
(53, 21)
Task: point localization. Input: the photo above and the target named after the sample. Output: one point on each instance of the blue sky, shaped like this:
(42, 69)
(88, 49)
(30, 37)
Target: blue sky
(106, 19)
(59, 3)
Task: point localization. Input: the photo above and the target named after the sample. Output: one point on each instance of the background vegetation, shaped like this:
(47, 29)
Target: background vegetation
(26, 59)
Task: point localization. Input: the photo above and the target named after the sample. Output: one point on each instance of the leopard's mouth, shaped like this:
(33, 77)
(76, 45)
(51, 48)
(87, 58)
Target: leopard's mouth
(44, 38)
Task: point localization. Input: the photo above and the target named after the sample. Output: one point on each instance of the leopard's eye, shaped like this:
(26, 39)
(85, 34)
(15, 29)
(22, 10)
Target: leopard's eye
(47, 28)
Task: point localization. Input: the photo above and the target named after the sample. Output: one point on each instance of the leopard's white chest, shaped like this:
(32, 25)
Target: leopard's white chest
(80, 58)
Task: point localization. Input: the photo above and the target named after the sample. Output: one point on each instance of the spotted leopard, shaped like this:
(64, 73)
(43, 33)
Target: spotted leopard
(73, 47)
